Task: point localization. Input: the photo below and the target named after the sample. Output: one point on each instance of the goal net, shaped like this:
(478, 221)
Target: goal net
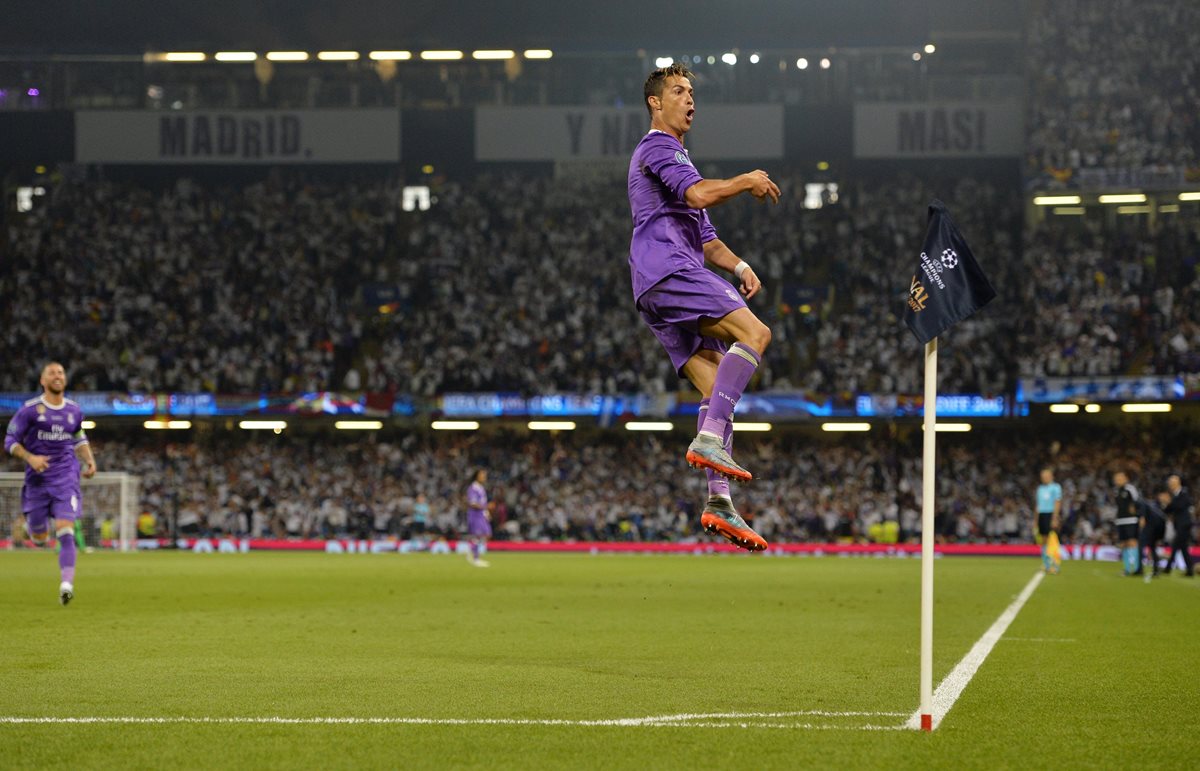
(108, 516)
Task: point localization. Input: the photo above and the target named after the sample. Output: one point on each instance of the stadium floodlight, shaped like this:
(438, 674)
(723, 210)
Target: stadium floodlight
(1092, 408)
(930, 48)
(455, 425)
(441, 56)
(1145, 407)
(493, 54)
(1133, 210)
(338, 56)
(235, 56)
(916, 56)
(1191, 196)
(287, 56)
(358, 425)
(754, 58)
(551, 425)
(649, 425)
(729, 58)
(172, 425)
(1064, 409)
(263, 425)
(390, 56)
(1169, 208)
(88, 425)
(538, 53)
(1056, 200)
(749, 426)
(1069, 211)
(663, 61)
(825, 64)
(845, 427)
(183, 56)
(1123, 198)
(802, 63)
(951, 428)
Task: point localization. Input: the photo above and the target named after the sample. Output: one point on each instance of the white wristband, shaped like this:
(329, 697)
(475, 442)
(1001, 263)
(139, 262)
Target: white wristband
(740, 268)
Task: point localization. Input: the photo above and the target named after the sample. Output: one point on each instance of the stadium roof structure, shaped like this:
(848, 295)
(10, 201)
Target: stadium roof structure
(133, 26)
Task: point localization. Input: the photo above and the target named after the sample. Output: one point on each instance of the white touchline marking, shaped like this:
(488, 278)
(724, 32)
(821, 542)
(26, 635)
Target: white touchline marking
(687, 720)
(952, 687)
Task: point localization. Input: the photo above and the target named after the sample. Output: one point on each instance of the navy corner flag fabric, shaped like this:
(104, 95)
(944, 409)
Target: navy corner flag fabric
(948, 286)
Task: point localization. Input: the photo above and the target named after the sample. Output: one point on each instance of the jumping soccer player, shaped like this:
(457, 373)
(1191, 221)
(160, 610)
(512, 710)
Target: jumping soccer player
(47, 434)
(1049, 516)
(1128, 512)
(696, 315)
(479, 525)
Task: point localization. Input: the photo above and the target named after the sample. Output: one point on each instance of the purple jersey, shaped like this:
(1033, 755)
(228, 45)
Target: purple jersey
(668, 235)
(55, 432)
(476, 498)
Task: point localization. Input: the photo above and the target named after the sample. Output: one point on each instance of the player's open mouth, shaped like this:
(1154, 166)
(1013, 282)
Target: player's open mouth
(690, 115)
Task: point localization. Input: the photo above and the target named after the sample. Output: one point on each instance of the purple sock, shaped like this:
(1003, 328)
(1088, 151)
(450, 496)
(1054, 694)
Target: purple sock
(733, 375)
(717, 484)
(475, 550)
(66, 555)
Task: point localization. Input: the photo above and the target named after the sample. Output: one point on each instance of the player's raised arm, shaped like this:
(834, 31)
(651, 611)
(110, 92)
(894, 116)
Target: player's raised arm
(713, 192)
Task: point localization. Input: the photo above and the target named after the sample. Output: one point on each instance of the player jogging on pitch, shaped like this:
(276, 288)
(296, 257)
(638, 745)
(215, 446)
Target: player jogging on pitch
(47, 434)
(713, 339)
(479, 525)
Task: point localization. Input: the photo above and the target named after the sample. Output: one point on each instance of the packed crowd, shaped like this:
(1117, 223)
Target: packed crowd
(520, 283)
(1113, 84)
(583, 488)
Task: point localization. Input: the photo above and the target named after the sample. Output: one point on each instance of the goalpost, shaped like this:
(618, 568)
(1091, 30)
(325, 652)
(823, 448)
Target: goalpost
(108, 516)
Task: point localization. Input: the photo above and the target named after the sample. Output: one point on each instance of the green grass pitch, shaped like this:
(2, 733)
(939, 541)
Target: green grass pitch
(1096, 670)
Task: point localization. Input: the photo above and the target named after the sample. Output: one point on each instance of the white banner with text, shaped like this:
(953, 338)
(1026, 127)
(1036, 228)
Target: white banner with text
(720, 132)
(237, 136)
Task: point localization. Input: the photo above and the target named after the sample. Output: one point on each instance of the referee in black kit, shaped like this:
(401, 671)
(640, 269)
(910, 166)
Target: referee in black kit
(1179, 509)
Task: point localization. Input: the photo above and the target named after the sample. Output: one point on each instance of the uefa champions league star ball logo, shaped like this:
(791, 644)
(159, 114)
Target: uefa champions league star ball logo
(950, 259)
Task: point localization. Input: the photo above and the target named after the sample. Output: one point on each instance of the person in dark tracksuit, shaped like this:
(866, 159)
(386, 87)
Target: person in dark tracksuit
(1152, 529)
(1128, 513)
(1179, 509)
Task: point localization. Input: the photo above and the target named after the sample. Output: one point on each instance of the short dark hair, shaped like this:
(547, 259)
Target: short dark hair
(654, 83)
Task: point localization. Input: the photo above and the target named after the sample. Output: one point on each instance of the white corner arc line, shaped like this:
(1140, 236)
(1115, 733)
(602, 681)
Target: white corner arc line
(956, 682)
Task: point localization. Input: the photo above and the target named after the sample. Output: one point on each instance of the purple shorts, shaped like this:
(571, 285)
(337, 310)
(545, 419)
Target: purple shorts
(673, 308)
(477, 524)
(41, 504)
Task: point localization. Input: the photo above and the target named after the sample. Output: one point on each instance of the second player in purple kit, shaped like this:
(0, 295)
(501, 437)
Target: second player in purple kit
(479, 526)
(711, 336)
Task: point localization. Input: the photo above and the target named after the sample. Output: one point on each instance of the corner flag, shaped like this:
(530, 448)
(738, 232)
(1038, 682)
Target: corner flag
(947, 288)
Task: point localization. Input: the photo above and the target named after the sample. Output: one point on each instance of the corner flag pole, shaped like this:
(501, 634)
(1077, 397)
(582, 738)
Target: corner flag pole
(927, 502)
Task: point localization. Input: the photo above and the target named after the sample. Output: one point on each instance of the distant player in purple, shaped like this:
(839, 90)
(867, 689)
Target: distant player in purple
(479, 525)
(713, 339)
(47, 433)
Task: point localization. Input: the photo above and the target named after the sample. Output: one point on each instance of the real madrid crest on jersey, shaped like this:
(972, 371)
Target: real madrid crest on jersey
(70, 419)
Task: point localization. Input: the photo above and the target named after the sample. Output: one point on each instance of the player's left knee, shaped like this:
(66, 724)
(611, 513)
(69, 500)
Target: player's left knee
(64, 530)
(760, 338)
